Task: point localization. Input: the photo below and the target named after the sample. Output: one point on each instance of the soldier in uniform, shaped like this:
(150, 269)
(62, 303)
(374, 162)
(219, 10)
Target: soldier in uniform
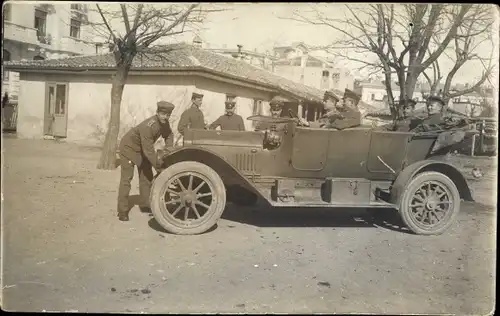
(434, 118)
(230, 120)
(346, 115)
(192, 117)
(276, 105)
(137, 148)
(407, 120)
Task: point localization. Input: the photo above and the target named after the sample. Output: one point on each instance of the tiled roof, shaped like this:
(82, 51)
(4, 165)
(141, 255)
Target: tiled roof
(179, 57)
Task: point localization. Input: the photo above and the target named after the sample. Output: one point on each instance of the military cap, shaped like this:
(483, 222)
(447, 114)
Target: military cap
(197, 95)
(435, 99)
(164, 106)
(277, 101)
(351, 95)
(230, 104)
(330, 95)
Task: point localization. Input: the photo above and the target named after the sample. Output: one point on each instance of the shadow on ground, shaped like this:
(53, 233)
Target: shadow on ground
(308, 217)
(315, 217)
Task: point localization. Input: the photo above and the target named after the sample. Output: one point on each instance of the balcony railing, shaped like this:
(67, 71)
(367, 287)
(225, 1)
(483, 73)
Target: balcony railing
(20, 33)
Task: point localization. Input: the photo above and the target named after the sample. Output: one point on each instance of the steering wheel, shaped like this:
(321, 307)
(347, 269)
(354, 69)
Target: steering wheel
(299, 120)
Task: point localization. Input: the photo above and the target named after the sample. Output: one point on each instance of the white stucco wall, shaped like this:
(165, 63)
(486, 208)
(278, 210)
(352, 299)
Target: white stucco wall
(31, 102)
(89, 102)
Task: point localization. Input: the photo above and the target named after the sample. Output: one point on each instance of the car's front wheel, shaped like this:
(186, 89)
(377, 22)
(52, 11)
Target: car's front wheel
(429, 203)
(188, 198)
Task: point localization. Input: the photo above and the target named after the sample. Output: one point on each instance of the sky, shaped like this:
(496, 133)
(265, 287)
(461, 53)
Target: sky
(261, 26)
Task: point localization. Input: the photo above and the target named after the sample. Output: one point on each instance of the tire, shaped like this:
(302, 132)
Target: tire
(163, 199)
(414, 194)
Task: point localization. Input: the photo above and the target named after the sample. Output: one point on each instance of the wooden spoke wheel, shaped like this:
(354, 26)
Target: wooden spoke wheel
(430, 203)
(188, 198)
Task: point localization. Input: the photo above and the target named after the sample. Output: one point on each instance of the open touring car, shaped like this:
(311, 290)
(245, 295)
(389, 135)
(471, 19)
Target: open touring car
(306, 167)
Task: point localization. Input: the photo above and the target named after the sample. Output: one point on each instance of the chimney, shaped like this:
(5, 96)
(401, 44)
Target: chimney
(197, 41)
(239, 48)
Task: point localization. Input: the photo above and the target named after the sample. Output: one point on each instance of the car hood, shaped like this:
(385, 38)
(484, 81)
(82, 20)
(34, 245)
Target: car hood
(223, 138)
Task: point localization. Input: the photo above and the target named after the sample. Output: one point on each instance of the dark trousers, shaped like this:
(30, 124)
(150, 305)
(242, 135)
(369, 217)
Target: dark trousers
(127, 174)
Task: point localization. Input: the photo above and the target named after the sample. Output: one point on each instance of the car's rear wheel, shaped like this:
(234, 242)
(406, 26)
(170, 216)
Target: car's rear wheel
(188, 198)
(430, 203)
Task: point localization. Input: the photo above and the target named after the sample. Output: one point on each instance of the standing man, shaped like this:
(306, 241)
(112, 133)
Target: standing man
(137, 148)
(230, 120)
(192, 117)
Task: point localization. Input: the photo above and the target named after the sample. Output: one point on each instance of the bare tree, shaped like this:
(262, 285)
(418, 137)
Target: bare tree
(475, 30)
(132, 30)
(397, 36)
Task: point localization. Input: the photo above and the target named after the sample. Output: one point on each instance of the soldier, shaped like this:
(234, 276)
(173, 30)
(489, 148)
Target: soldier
(192, 117)
(407, 120)
(137, 148)
(346, 115)
(230, 120)
(434, 117)
(276, 105)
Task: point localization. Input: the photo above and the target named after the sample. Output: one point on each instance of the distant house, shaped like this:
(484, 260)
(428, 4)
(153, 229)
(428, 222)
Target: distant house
(71, 97)
(375, 92)
(300, 63)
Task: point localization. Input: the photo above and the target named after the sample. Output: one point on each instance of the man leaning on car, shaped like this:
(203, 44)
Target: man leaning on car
(137, 148)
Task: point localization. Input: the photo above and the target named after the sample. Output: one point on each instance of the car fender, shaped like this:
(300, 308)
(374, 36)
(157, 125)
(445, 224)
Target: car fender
(445, 168)
(226, 171)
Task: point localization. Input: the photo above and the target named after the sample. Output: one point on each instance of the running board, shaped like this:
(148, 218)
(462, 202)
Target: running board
(332, 205)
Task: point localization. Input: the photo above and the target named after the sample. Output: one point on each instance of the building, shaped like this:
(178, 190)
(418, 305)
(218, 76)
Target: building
(70, 97)
(375, 93)
(300, 63)
(252, 57)
(43, 31)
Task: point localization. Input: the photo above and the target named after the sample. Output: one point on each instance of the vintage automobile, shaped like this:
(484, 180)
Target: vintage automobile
(297, 166)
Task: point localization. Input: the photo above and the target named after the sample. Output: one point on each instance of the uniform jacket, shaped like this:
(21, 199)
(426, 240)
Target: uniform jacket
(432, 122)
(229, 122)
(262, 126)
(191, 118)
(352, 118)
(138, 143)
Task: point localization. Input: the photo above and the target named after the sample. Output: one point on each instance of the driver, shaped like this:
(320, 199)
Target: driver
(276, 105)
(343, 115)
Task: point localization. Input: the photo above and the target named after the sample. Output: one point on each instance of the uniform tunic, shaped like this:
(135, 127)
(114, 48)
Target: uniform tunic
(262, 126)
(137, 148)
(352, 118)
(139, 142)
(229, 122)
(191, 118)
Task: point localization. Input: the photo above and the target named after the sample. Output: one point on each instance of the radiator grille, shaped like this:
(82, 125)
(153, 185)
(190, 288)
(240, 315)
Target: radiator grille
(246, 162)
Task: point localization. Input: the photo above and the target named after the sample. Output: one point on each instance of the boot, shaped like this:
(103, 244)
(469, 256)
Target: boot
(123, 217)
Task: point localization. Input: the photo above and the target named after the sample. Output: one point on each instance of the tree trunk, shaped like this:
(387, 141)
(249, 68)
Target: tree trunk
(108, 155)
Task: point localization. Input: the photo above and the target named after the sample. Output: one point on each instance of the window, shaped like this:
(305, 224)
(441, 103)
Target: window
(40, 23)
(325, 73)
(60, 99)
(74, 30)
(373, 97)
(336, 76)
(7, 13)
(6, 57)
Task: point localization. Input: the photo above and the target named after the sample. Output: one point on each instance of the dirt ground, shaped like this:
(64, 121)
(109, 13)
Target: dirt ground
(64, 250)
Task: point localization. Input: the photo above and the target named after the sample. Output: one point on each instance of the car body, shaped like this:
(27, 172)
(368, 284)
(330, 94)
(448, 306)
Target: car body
(309, 167)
